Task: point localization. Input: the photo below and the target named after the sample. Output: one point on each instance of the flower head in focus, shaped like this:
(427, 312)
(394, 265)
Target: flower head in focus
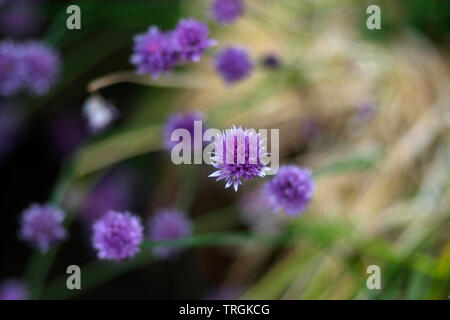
(181, 120)
(233, 64)
(227, 11)
(238, 156)
(13, 289)
(154, 52)
(42, 226)
(192, 39)
(168, 224)
(291, 189)
(117, 236)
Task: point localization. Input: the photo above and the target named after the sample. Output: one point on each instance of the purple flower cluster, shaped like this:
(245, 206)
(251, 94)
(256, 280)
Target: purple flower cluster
(238, 156)
(291, 189)
(117, 236)
(30, 66)
(13, 289)
(168, 224)
(181, 120)
(157, 52)
(233, 64)
(192, 39)
(41, 226)
(227, 11)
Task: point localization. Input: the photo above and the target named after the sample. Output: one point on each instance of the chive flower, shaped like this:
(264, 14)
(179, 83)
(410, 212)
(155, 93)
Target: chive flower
(290, 190)
(227, 11)
(168, 224)
(154, 52)
(233, 64)
(192, 38)
(238, 156)
(42, 226)
(117, 236)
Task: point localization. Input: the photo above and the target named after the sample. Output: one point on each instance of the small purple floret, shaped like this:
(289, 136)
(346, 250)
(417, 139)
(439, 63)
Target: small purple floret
(192, 39)
(117, 236)
(154, 52)
(233, 64)
(291, 189)
(42, 226)
(227, 11)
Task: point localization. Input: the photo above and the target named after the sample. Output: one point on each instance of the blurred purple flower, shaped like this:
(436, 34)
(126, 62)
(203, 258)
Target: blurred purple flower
(117, 236)
(41, 66)
(114, 192)
(181, 120)
(237, 157)
(11, 73)
(42, 226)
(233, 64)
(13, 289)
(11, 120)
(227, 11)
(154, 52)
(168, 224)
(192, 39)
(271, 61)
(291, 189)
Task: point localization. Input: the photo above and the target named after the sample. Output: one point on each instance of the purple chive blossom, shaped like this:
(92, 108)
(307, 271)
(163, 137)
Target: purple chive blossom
(191, 38)
(154, 52)
(42, 226)
(227, 11)
(11, 74)
(291, 189)
(13, 289)
(168, 224)
(238, 156)
(181, 120)
(117, 236)
(233, 64)
(42, 65)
